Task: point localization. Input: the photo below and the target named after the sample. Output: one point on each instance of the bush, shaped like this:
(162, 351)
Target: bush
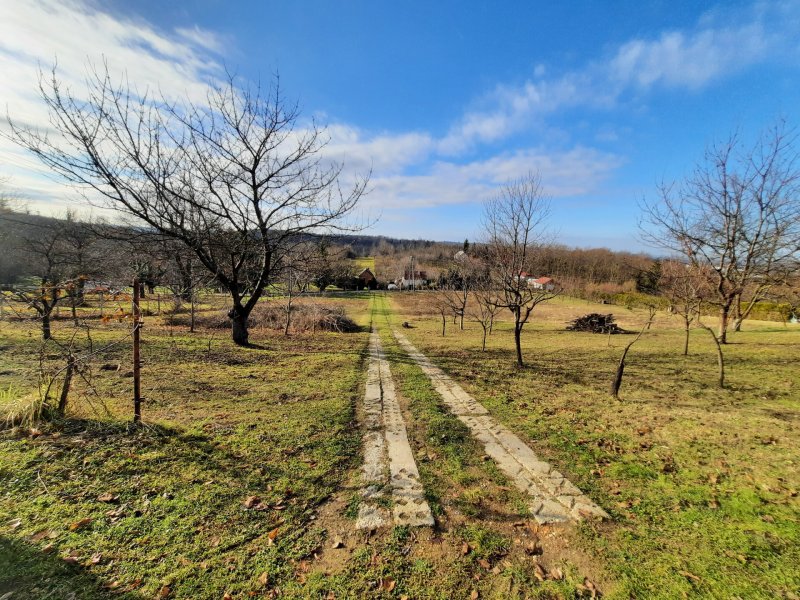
(305, 317)
(595, 323)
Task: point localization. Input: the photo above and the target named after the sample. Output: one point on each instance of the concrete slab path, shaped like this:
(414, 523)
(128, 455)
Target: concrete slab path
(388, 459)
(554, 498)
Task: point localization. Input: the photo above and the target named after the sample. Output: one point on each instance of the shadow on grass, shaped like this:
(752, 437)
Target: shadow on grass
(28, 573)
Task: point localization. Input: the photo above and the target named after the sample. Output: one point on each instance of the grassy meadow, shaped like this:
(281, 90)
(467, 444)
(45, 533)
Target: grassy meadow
(243, 481)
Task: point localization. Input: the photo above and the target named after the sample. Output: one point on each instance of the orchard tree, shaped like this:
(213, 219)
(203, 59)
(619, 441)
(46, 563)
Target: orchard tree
(234, 178)
(736, 218)
(686, 289)
(46, 254)
(513, 222)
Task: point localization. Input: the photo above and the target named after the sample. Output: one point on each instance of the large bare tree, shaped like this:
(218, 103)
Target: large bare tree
(736, 218)
(234, 178)
(513, 222)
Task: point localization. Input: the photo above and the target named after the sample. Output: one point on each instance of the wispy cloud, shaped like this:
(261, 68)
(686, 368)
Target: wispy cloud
(570, 173)
(720, 45)
(74, 35)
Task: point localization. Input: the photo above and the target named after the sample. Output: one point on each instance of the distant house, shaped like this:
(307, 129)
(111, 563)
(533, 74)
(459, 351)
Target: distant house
(368, 279)
(415, 280)
(542, 283)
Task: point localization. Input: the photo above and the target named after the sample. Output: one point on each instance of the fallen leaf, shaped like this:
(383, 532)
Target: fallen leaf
(15, 523)
(95, 559)
(337, 543)
(251, 501)
(556, 574)
(107, 497)
(37, 537)
(164, 592)
(263, 579)
(272, 535)
(484, 563)
(72, 560)
(387, 584)
(465, 548)
(80, 524)
(48, 549)
(227, 596)
(539, 572)
(474, 595)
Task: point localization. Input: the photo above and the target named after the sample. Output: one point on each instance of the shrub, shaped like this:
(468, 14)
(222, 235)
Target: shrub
(305, 317)
(595, 323)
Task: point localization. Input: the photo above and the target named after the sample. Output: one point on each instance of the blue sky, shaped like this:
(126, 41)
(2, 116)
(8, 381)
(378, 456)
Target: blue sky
(445, 101)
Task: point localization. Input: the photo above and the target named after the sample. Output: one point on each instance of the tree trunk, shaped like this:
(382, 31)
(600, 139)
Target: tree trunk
(724, 315)
(462, 320)
(74, 309)
(81, 289)
(686, 339)
(191, 314)
(288, 318)
(491, 323)
(720, 357)
(483, 349)
(617, 383)
(444, 323)
(46, 334)
(239, 326)
(517, 333)
(62, 401)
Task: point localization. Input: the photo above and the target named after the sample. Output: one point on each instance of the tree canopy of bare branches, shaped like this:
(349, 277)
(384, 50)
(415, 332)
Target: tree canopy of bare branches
(235, 178)
(513, 222)
(736, 218)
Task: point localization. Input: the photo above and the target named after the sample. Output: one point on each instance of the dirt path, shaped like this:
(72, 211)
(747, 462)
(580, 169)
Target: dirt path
(554, 498)
(386, 445)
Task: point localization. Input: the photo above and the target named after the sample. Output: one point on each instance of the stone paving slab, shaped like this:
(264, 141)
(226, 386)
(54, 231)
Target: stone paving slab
(386, 445)
(553, 497)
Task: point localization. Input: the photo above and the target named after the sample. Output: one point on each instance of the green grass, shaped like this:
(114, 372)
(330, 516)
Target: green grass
(220, 426)
(701, 483)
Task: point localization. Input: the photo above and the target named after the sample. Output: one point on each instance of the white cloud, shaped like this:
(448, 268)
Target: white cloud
(570, 173)
(720, 45)
(37, 35)
(383, 152)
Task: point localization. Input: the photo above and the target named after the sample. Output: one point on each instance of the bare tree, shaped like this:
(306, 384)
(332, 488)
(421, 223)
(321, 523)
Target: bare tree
(483, 311)
(617, 382)
(235, 178)
(736, 218)
(455, 287)
(512, 224)
(685, 289)
(44, 250)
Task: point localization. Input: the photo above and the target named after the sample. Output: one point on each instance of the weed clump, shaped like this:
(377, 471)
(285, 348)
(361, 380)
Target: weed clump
(304, 317)
(595, 323)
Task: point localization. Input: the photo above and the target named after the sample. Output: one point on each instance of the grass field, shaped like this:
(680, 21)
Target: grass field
(701, 483)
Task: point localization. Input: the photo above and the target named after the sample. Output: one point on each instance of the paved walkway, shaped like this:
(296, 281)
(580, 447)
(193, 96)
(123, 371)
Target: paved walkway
(554, 499)
(388, 460)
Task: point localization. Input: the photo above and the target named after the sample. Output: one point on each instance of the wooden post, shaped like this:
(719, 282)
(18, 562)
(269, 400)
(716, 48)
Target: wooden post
(191, 318)
(137, 364)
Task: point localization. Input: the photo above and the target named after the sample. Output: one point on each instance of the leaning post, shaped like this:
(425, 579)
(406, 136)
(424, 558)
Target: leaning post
(137, 364)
